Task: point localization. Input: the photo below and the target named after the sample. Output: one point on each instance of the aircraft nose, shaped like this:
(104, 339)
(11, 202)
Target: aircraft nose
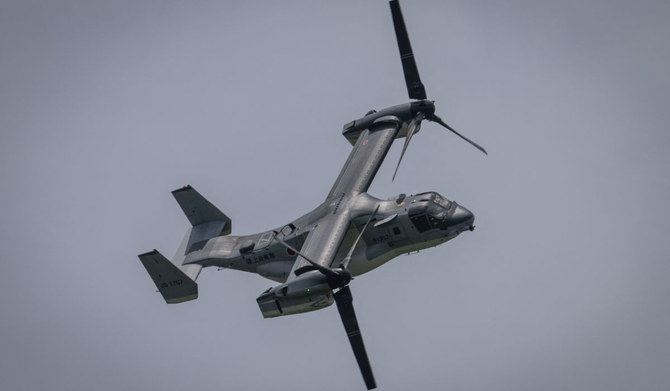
(459, 216)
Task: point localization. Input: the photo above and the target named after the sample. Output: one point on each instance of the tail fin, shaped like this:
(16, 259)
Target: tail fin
(172, 283)
(207, 221)
(198, 210)
(176, 280)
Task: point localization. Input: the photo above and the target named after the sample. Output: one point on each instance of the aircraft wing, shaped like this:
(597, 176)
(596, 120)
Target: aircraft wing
(323, 241)
(321, 247)
(365, 159)
(328, 233)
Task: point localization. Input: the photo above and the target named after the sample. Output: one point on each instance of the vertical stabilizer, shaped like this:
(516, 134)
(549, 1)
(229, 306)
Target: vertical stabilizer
(172, 283)
(198, 210)
(175, 280)
(207, 220)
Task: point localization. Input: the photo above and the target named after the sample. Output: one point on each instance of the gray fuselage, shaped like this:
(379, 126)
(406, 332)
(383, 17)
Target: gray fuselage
(401, 225)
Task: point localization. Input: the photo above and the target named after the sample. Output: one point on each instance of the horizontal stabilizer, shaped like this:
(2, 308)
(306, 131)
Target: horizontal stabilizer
(172, 283)
(200, 211)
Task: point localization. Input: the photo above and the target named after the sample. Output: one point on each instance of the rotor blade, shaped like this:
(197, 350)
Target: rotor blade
(324, 270)
(414, 127)
(415, 88)
(347, 259)
(345, 307)
(437, 119)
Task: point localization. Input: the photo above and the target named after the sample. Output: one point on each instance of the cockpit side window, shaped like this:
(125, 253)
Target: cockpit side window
(420, 222)
(434, 222)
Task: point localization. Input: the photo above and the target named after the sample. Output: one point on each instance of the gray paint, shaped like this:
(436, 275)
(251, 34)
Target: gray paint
(106, 107)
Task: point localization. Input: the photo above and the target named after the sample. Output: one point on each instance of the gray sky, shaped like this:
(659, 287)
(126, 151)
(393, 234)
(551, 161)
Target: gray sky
(105, 107)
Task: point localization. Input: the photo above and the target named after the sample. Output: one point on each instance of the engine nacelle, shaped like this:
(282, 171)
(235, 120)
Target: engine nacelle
(309, 292)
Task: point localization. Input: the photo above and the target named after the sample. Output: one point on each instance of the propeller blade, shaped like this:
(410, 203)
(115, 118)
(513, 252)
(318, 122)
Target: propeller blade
(347, 259)
(415, 88)
(437, 119)
(345, 307)
(414, 127)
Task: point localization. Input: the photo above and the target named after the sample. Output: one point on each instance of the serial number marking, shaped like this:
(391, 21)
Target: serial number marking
(260, 258)
(172, 283)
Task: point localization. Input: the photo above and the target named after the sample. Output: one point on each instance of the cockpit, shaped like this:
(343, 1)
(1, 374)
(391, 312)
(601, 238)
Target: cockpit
(427, 210)
(432, 211)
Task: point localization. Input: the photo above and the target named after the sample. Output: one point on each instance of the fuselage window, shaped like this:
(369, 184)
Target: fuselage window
(264, 240)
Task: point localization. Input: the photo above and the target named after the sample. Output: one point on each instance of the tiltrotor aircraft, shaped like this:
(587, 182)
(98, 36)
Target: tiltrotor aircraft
(315, 256)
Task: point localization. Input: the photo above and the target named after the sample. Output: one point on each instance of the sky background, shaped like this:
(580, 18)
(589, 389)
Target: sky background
(105, 107)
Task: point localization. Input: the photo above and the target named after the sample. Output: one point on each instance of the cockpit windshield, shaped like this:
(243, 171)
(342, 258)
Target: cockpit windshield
(443, 202)
(428, 211)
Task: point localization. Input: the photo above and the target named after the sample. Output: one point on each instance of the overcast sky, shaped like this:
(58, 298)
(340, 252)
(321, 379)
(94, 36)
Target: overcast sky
(105, 107)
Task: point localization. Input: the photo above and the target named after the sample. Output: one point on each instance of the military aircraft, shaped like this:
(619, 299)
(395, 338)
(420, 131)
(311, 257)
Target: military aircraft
(315, 257)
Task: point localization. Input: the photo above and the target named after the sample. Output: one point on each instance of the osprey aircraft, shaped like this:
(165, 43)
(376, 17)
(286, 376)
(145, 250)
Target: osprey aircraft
(315, 257)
